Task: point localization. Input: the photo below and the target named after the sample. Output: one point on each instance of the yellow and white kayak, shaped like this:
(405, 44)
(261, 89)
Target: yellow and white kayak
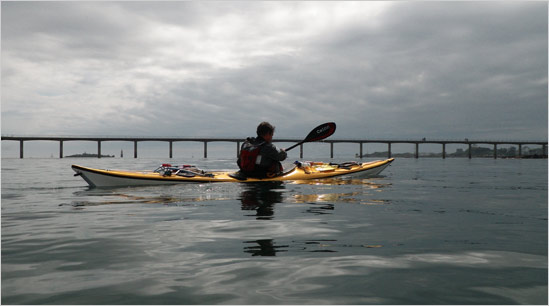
(166, 174)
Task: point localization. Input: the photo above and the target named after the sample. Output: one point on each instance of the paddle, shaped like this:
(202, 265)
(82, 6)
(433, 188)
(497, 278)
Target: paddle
(318, 133)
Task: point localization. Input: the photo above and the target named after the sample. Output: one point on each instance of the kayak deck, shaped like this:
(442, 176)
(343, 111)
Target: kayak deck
(171, 175)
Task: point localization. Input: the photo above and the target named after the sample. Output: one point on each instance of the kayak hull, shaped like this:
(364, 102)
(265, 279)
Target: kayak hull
(119, 178)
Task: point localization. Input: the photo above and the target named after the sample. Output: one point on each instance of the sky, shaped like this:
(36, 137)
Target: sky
(398, 70)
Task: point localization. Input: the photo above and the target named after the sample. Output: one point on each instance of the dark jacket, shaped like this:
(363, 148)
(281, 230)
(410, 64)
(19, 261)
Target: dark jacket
(268, 160)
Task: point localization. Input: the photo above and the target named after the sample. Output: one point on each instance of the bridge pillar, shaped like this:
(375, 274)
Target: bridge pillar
(135, 149)
(237, 149)
(301, 151)
(99, 149)
(443, 151)
(470, 153)
(361, 150)
(171, 149)
(389, 149)
(520, 150)
(205, 149)
(495, 151)
(417, 150)
(60, 148)
(544, 149)
(331, 150)
(21, 149)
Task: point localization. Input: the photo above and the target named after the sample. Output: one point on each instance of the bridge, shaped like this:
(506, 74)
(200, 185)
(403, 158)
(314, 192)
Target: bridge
(205, 141)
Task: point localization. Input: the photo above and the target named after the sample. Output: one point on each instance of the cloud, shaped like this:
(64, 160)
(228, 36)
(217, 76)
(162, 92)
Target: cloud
(378, 69)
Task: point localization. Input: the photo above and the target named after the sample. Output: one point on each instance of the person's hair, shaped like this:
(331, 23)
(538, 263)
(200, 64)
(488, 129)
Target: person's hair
(265, 128)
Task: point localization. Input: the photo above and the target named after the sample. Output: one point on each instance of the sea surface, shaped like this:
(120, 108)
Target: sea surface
(426, 231)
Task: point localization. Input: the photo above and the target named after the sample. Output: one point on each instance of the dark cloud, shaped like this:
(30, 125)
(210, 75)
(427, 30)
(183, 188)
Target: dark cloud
(397, 69)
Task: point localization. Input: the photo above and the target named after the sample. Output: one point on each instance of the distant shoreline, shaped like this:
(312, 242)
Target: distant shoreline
(88, 155)
(451, 155)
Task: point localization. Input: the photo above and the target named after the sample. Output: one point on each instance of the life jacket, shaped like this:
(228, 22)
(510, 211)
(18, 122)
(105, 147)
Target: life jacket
(249, 154)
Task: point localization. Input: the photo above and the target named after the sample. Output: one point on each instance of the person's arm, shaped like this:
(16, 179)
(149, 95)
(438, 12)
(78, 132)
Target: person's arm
(272, 152)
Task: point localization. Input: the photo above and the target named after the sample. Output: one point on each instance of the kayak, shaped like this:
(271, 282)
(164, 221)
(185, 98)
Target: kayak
(168, 174)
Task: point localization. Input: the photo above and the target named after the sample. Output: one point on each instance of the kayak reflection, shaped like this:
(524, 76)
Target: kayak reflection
(367, 182)
(261, 198)
(367, 194)
(111, 198)
(264, 247)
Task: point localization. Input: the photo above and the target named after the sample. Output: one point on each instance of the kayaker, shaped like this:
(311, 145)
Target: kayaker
(259, 157)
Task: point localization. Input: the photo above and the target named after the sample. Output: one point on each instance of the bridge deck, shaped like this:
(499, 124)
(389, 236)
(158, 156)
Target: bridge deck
(171, 140)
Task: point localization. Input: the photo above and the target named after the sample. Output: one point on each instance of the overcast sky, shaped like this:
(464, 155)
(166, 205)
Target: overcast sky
(455, 70)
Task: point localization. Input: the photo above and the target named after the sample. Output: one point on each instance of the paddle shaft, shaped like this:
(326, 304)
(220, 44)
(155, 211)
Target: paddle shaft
(293, 146)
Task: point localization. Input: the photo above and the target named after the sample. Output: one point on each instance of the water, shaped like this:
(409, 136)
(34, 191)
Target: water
(429, 231)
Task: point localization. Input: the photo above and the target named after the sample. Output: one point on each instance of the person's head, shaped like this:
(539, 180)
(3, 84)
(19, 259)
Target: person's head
(265, 130)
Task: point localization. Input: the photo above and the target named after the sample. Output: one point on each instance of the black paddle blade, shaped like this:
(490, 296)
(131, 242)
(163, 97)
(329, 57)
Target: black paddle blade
(320, 132)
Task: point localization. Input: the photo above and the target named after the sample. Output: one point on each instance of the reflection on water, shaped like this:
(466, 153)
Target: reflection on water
(143, 196)
(320, 209)
(319, 246)
(261, 198)
(343, 181)
(357, 195)
(264, 247)
(352, 197)
(126, 199)
(268, 247)
(258, 197)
